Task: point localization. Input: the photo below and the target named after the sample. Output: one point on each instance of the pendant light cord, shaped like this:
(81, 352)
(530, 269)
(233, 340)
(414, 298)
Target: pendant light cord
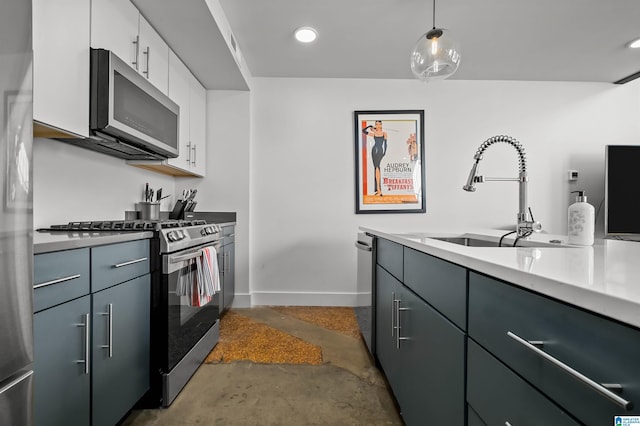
(434, 14)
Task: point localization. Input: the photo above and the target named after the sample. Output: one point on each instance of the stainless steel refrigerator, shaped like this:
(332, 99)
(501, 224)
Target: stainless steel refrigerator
(16, 214)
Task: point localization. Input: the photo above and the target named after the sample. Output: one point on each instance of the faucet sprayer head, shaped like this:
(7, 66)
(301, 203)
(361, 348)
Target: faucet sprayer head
(470, 187)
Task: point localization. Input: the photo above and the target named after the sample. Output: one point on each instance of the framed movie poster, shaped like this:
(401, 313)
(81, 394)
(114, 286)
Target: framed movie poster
(389, 161)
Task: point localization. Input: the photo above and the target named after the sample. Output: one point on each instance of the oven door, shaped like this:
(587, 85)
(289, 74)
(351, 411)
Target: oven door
(189, 315)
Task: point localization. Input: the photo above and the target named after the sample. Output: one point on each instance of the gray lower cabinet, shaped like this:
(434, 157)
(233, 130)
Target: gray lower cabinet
(120, 349)
(91, 342)
(227, 265)
(586, 364)
(458, 346)
(62, 364)
(421, 353)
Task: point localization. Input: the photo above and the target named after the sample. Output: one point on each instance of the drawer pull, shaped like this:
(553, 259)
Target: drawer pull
(56, 281)
(131, 262)
(602, 389)
(507, 424)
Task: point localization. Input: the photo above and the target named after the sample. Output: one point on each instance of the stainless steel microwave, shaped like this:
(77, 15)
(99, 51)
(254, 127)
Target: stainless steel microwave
(128, 116)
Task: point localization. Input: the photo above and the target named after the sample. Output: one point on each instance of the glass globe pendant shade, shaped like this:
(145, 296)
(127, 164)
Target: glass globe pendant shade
(435, 56)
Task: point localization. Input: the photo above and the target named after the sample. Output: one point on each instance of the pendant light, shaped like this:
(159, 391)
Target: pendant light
(436, 54)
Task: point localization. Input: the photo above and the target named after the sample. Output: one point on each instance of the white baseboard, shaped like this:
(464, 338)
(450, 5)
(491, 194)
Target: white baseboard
(259, 298)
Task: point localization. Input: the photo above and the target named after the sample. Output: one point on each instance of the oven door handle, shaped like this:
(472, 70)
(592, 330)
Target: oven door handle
(178, 259)
(175, 258)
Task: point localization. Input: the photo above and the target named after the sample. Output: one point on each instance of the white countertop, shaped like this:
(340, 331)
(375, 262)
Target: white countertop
(603, 278)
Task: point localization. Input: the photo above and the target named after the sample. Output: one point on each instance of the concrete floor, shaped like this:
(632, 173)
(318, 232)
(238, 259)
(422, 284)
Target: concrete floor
(346, 390)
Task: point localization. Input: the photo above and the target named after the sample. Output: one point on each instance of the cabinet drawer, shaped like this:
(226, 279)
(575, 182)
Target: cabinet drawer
(601, 349)
(442, 284)
(389, 256)
(510, 400)
(118, 263)
(59, 277)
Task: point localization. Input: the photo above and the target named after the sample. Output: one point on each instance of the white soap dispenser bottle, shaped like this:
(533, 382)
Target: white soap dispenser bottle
(581, 221)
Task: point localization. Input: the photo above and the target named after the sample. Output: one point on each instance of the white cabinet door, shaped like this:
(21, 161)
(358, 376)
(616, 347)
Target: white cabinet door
(197, 120)
(153, 56)
(179, 81)
(114, 26)
(61, 64)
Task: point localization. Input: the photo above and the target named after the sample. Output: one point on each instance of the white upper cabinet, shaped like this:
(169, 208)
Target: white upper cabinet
(179, 80)
(197, 125)
(118, 26)
(61, 68)
(114, 26)
(190, 95)
(154, 56)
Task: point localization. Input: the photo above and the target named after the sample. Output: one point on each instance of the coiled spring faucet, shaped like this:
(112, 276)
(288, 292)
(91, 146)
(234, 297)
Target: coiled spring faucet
(524, 227)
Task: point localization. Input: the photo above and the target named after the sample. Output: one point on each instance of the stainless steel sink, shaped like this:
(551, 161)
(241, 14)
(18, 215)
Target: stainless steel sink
(493, 242)
(467, 241)
(473, 240)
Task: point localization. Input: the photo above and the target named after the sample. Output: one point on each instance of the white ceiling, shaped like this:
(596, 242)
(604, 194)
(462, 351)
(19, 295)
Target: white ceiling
(552, 40)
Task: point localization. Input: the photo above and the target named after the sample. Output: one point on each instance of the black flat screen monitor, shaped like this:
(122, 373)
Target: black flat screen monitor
(622, 190)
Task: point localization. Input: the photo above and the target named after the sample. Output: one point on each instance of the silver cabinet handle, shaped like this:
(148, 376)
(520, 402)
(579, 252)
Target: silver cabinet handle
(393, 314)
(398, 327)
(136, 45)
(109, 344)
(56, 281)
(147, 53)
(360, 246)
(130, 262)
(627, 405)
(193, 148)
(15, 381)
(507, 424)
(227, 263)
(189, 153)
(87, 344)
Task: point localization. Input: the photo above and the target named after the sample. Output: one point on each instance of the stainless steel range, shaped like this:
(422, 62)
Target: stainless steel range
(184, 315)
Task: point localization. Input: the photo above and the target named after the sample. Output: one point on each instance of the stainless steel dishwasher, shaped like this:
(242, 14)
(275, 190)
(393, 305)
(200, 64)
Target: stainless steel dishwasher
(364, 312)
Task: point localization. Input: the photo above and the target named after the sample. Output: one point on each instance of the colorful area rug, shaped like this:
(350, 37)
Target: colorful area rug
(243, 339)
(340, 319)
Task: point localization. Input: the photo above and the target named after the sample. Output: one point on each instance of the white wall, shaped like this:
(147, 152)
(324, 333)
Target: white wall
(302, 176)
(72, 183)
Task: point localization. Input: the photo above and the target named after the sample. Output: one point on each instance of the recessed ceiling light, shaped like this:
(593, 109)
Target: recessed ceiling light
(306, 34)
(635, 44)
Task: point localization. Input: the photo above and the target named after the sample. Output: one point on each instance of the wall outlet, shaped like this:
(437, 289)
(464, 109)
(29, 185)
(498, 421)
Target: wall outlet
(573, 175)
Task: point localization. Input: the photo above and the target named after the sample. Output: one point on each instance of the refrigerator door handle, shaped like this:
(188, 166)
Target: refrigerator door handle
(15, 381)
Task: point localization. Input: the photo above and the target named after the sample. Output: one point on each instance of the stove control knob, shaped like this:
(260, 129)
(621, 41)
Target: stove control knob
(180, 235)
(171, 236)
(209, 230)
(203, 231)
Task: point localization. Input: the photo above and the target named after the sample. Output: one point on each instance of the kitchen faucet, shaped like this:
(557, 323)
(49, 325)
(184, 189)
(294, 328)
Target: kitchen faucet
(524, 227)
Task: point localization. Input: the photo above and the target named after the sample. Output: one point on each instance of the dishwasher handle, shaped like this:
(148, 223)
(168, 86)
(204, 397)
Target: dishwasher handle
(363, 246)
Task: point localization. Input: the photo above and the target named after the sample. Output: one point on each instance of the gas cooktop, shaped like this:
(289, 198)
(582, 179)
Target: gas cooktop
(123, 225)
